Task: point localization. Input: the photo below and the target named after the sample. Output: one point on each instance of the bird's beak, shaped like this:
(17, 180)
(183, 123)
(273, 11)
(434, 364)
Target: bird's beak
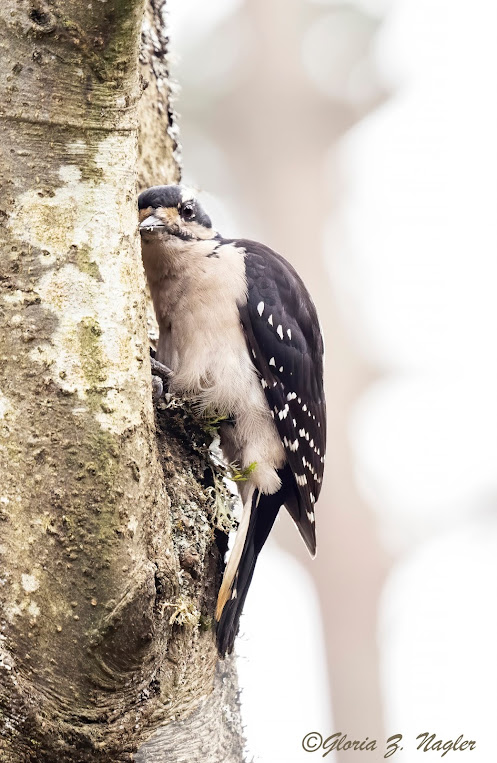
(151, 224)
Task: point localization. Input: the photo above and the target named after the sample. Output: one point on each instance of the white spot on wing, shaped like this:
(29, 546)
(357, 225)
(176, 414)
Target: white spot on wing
(260, 308)
(270, 320)
(187, 194)
(279, 331)
(289, 332)
(271, 362)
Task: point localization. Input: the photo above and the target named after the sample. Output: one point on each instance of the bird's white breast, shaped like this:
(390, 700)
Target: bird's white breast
(201, 339)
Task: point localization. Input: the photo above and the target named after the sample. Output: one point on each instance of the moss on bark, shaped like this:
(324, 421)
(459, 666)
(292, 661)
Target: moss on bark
(108, 560)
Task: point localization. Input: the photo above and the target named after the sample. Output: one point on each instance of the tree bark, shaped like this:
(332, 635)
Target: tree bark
(108, 565)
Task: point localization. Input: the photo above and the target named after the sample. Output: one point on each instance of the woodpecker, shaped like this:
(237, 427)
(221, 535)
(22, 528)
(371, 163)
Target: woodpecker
(240, 335)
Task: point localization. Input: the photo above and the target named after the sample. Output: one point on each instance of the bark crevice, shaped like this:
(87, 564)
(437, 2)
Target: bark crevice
(109, 564)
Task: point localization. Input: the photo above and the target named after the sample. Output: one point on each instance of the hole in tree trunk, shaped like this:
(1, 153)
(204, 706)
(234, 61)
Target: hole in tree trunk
(39, 17)
(44, 20)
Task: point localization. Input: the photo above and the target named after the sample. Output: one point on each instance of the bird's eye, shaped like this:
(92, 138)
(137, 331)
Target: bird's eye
(188, 211)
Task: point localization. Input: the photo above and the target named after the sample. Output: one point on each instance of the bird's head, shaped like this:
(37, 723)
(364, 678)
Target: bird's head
(172, 210)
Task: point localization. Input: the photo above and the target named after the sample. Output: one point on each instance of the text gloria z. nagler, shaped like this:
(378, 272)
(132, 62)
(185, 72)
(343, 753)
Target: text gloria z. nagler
(425, 742)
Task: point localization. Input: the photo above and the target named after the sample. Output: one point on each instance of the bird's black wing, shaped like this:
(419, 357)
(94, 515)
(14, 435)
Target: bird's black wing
(283, 336)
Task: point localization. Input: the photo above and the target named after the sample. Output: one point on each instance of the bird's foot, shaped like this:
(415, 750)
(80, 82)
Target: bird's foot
(159, 369)
(160, 374)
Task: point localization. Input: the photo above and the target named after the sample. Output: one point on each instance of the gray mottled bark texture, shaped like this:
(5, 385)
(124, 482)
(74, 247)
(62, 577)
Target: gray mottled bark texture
(108, 563)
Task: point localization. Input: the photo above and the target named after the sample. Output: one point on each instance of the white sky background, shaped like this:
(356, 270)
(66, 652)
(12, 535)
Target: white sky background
(415, 271)
(420, 275)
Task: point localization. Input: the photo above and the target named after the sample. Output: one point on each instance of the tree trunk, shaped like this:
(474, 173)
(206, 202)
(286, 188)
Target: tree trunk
(108, 564)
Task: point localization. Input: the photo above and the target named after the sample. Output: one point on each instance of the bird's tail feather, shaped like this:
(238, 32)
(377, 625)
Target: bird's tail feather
(230, 572)
(264, 509)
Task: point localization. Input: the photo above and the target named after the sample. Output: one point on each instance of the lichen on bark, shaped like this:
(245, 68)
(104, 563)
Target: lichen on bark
(109, 564)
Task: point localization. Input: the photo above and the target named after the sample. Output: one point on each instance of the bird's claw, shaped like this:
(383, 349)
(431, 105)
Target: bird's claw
(157, 388)
(159, 369)
(161, 374)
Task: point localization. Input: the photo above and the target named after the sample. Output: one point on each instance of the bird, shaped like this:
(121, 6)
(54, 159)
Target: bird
(239, 336)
